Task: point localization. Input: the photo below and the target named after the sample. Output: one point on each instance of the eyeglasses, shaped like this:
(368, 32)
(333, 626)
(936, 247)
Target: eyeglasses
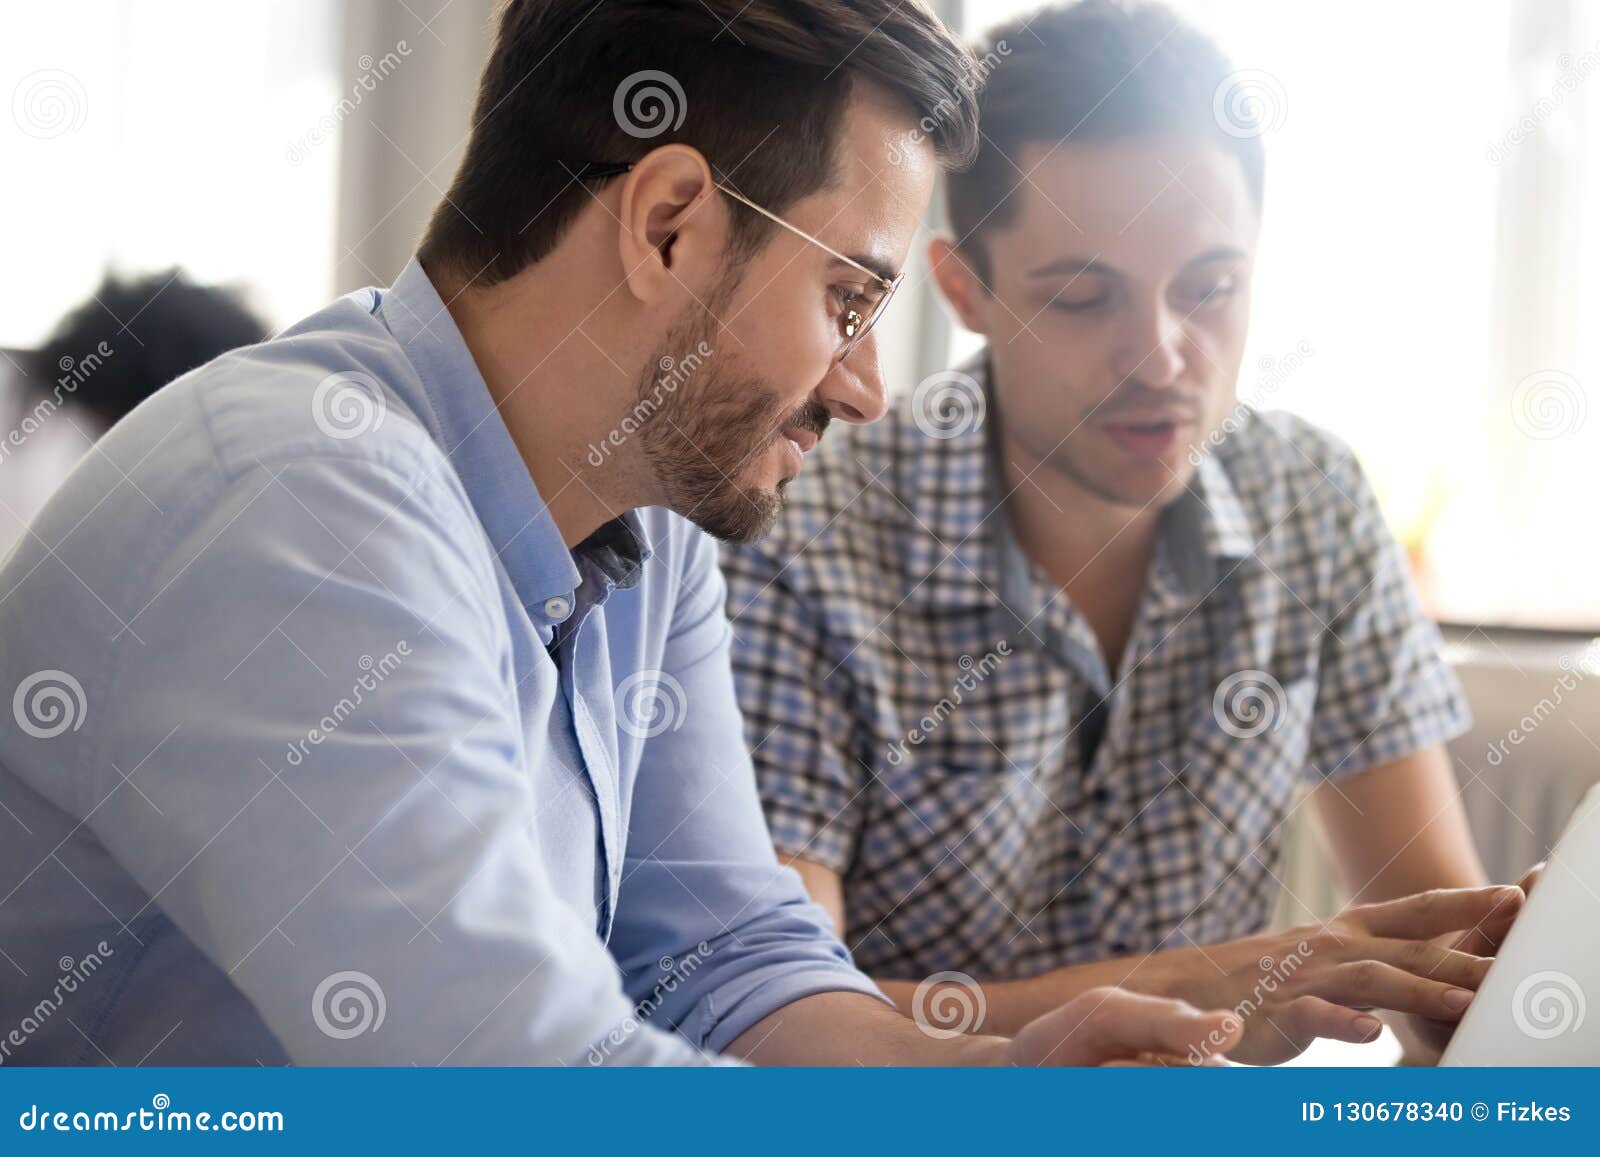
(856, 320)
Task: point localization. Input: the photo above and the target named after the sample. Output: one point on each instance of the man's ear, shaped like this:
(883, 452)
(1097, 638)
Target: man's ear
(959, 283)
(666, 232)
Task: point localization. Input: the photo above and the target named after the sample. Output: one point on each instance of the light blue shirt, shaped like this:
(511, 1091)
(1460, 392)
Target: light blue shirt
(323, 747)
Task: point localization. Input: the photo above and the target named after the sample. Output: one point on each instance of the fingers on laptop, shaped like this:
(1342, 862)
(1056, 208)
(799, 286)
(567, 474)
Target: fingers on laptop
(1439, 912)
(1375, 984)
(1485, 938)
(1118, 1024)
(1307, 1017)
(1531, 877)
(1431, 960)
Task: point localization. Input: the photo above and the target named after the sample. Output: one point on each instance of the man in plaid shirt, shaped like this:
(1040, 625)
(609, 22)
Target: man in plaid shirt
(1034, 669)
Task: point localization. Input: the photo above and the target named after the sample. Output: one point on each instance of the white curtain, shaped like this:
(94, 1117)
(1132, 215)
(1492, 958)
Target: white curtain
(410, 73)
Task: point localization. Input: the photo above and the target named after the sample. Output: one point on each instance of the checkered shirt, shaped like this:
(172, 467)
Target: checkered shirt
(913, 692)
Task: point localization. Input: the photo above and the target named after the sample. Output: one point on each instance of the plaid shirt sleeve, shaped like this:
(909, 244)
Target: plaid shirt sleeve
(800, 733)
(1385, 691)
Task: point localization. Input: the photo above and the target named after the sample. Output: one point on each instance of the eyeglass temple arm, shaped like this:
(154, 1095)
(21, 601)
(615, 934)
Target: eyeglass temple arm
(799, 232)
(600, 170)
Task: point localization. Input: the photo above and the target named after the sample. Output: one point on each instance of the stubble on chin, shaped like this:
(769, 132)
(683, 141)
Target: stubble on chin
(700, 448)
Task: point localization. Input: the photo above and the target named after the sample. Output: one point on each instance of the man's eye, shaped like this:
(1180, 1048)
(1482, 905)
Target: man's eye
(847, 298)
(852, 309)
(1211, 293)
(1081, 304)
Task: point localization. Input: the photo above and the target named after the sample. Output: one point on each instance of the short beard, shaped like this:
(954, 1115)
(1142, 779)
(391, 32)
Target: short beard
(705, 434)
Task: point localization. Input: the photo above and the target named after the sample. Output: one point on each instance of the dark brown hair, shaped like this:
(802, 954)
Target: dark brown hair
(759, 88)
(1093, 70)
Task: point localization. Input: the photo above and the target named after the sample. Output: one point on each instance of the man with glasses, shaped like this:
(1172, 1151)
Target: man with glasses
(361, 716)
(1034, 669)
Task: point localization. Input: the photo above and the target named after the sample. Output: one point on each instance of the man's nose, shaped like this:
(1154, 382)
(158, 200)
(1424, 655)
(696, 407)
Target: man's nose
(1152, 349)
(853, 390)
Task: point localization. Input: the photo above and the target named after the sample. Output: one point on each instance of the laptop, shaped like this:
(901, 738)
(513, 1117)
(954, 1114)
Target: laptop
(1533, 1007)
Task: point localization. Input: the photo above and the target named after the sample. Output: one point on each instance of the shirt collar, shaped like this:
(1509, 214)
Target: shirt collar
(953, 494)
(1206, 531)
(615, 552)
(463, 419)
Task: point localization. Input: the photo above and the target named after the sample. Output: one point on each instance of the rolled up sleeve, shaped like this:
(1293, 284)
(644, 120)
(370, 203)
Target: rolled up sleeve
(1384, 690)
(798, 719)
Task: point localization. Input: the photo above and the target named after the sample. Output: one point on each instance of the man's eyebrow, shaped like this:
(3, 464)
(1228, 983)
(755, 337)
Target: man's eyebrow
(1220, 253)
(1076, 266)
(875, 265)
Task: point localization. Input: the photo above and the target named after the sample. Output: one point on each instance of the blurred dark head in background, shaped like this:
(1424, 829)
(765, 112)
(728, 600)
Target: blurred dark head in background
(156, 328)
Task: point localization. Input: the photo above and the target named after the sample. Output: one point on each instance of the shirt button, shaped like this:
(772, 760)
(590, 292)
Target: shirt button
(557, 607)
